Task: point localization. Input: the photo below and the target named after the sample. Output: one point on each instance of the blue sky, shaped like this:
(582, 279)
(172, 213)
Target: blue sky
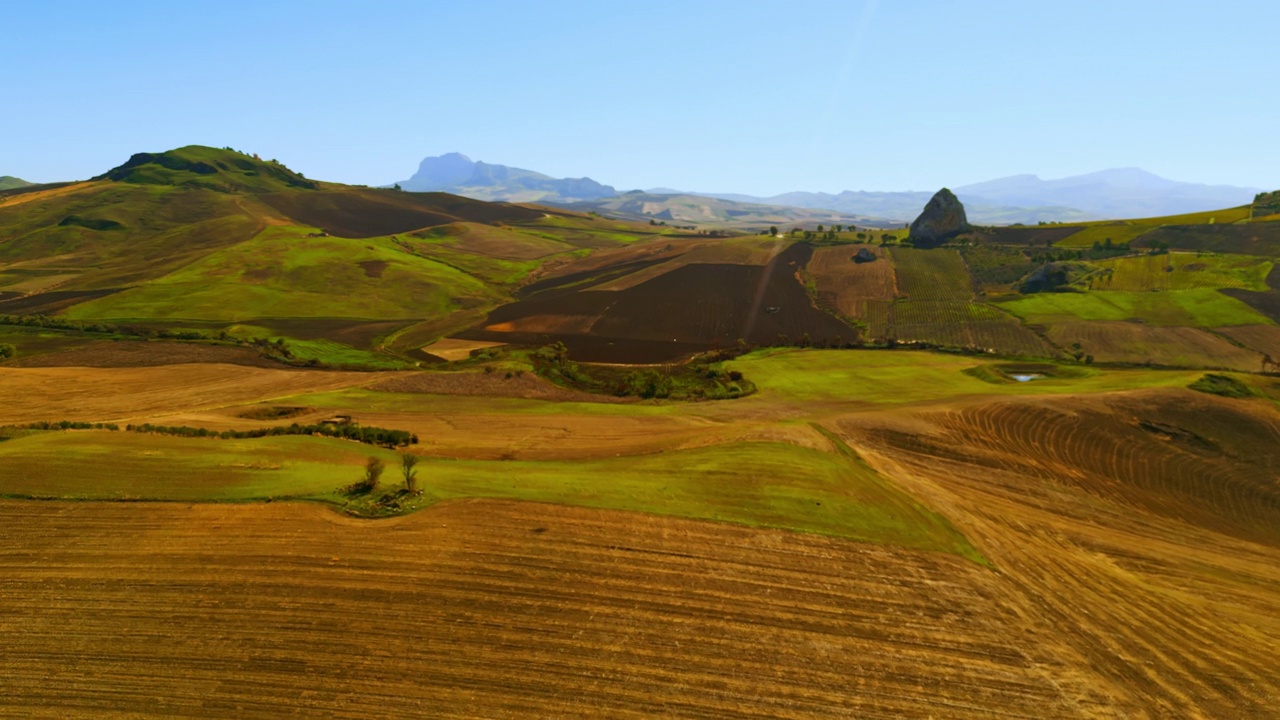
(735, 96)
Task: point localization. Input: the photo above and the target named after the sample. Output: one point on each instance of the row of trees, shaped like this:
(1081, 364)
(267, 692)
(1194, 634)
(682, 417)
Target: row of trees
(364, 434)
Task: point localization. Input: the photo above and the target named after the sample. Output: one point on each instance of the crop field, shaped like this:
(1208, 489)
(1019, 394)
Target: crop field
(1107, 521)
(1134, 520)
(1031, 236)
(1264, 339)
(1182, 271)
(1189, 308)
(965, 325)
(1118, 233)
(847, 286)
(1261, 239)
(1127, 342)
(696, 306)
(108, 394)
(264, 611)
(932, 274)
(751, 250)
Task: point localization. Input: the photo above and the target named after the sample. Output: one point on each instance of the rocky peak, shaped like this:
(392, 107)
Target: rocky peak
(943, 218)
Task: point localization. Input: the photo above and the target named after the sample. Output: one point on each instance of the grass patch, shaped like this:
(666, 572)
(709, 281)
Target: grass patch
(1189, 308)
(760, 484)
(1223, 385)
(898, 376)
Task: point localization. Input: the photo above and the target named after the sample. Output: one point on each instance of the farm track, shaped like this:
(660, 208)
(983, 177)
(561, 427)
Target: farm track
(491, 609)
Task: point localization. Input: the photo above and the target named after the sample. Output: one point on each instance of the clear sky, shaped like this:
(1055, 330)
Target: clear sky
(727, 96)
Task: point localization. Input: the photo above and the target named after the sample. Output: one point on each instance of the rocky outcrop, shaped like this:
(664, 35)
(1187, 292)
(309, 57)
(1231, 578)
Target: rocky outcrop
(943, 218)
(864, 256)
(1266, 204)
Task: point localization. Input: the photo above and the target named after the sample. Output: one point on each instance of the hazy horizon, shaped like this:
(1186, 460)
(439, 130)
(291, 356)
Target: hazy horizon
(743, 97)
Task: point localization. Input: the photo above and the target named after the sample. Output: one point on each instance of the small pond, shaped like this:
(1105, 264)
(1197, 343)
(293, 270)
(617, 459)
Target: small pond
(1025, 377)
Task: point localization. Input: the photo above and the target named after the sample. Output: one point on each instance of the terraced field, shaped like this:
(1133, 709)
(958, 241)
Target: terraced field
(938, 275)
(965, 325)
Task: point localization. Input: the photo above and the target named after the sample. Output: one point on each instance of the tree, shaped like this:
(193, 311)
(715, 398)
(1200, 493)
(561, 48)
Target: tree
(372, 473)
(773, 230)
(7, 351)
(407, 463)
(396, 187)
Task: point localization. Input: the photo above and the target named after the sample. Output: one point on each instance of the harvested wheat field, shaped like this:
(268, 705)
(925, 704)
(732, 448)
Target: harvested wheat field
(1141, 527)
(493, 609)
(103, 394)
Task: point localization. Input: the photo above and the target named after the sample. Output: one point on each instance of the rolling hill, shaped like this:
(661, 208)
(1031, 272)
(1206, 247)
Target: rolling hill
(215, 239)
(8, 182)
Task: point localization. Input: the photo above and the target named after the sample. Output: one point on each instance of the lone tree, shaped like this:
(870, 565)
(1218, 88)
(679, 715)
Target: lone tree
(372, 473)
(408, 462)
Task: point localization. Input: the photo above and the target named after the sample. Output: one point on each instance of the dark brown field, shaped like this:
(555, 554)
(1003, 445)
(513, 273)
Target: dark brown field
(693, 307)
(357, 213)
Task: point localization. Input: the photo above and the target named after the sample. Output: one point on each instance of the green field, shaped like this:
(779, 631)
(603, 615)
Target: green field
(1117, 233)
(762, 484)
(1190, 308)
(283, 273)
(1181, 271)
(897, 377)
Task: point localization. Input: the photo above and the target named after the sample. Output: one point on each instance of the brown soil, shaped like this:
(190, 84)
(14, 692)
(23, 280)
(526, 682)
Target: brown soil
(127, 353)
(370, 213)
(690, 308)
(1262, 338)
(374, 268)
(1252, 239)
(847, 286)
(1032, 236)
(51, 302)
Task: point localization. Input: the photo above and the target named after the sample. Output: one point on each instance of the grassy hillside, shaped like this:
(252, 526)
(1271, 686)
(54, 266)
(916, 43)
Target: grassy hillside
(220, 239)
(8, 182)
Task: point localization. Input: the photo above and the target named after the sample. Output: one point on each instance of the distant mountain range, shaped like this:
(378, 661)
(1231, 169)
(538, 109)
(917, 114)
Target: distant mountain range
(703, 211)
(1109, 194)
(1027, 199)
(8, 182)
(458, 174)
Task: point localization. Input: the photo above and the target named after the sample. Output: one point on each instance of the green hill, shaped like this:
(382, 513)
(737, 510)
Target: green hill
(215, 239)
(8, 182)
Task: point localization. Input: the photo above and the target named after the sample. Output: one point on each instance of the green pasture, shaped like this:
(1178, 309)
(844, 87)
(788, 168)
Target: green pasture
(1189, 308)
(283, 273)
(759, 484)
(1178, 271)
(894, 377)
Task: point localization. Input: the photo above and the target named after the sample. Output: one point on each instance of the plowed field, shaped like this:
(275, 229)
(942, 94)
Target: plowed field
(846, 285)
